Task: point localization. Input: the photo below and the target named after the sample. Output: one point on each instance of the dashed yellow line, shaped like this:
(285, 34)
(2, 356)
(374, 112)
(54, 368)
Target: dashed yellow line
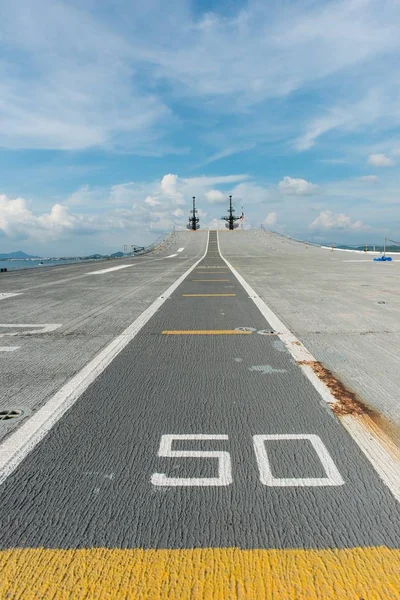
(207, 295)
(200, 573)
(211, 273)
(205, 332)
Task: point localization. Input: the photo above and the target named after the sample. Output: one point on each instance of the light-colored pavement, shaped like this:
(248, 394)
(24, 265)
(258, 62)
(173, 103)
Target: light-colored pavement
(344, 307)
(62, 316)
(201, 463)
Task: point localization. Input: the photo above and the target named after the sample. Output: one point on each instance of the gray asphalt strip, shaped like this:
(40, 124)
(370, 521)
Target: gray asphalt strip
(96, 479)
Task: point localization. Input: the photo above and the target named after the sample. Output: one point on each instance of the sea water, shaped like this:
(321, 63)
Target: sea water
(13, 265)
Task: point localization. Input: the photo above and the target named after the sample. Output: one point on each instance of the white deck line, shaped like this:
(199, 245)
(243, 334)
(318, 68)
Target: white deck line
(16, 447)
(180, 250)
(43, 328)
(4, 295)
(9, 348)
(384, 463)
(109, 270)
(350, 250)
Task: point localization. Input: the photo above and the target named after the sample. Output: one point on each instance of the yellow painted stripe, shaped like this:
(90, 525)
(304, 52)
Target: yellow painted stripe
(205, 332)
(200, 574)
(211, 273)
(207, 295)
(211, 280)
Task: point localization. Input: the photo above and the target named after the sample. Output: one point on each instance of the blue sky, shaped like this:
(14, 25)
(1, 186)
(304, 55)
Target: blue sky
(114, 114)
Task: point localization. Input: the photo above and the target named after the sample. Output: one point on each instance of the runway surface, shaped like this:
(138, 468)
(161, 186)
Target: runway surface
(198, 462)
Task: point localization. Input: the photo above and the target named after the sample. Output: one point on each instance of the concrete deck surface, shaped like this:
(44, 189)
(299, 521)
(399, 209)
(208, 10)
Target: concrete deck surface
(344, 307)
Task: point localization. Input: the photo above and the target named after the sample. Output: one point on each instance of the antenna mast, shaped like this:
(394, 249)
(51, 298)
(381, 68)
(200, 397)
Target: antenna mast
(231, 219)
(194, 222)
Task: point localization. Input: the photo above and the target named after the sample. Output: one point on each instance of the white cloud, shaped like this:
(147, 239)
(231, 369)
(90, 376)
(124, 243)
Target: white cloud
(215, 197)
(369, 179)
(58, 93)
(249, 193)
(152, 201)
(271, 219)
(204, 181)
(329, 220)
(230, 151)
(290, 186)
(380, 160)
(349, 115)
(17, 220)
(114, 90)
(169, 183)
(142, 208)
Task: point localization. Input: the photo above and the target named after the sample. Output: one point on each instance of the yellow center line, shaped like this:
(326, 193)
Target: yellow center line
(212, 273)
(206, 295)
(206, 332)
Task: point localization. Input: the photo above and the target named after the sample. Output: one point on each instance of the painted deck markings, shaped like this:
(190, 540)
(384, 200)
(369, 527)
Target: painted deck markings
(332, 477)
(19, 445)
(4, 295)
(9, 348)
(211, 273)
(109, 270)
(28, 328)
(206, 332)
(180, 249)
(382, 455)
(224, 462)
(202, 573)
(228, 541)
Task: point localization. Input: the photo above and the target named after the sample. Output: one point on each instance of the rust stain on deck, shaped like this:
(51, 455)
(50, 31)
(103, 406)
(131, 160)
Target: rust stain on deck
(348, 403)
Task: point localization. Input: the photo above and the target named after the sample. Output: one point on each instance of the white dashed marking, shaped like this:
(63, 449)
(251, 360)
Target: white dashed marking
(35, 328)
(109, 270)
(4, 295)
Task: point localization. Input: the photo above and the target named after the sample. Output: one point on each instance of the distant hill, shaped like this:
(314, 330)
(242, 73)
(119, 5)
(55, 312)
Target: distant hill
(17, 255)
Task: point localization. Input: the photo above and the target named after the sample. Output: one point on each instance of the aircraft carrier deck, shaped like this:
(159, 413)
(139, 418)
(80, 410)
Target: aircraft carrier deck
(217, 420)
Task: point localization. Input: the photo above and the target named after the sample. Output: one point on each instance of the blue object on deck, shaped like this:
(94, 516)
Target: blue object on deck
(383, 259)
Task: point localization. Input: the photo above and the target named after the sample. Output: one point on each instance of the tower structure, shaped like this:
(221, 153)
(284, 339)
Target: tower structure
(230, 219)
(194, 222)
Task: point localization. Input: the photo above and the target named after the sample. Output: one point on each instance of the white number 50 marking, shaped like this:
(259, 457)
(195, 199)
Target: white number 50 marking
(224, 462)
(332, 475)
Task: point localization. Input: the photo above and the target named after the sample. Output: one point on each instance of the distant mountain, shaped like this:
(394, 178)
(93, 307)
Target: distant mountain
(18, 254)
